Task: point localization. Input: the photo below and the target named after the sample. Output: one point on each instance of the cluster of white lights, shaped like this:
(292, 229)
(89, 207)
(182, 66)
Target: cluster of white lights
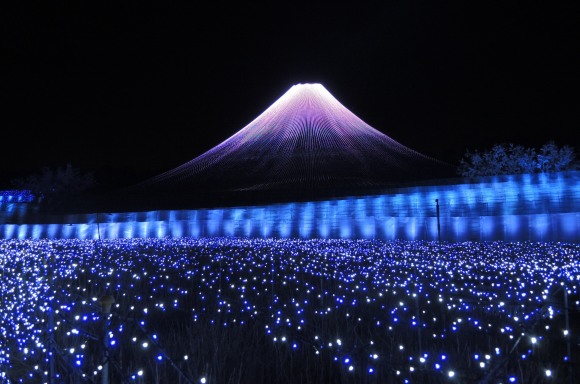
(400, 311)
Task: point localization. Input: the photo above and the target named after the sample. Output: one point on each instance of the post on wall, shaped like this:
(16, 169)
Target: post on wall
(438, 221)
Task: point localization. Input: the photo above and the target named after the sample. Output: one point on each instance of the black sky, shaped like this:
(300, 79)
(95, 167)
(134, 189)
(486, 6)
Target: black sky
(129, 90)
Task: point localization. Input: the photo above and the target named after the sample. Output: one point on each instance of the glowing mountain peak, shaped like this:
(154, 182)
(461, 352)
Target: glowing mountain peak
(305, 139)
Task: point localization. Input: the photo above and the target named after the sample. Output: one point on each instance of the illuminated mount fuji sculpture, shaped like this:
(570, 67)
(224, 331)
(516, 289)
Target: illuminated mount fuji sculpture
(307, 143)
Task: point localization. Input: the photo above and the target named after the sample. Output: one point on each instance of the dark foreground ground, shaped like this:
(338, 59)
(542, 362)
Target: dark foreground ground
(237, 310)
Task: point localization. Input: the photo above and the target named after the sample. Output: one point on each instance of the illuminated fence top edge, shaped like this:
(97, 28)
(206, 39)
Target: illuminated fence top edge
(547, 209)
(16, 196)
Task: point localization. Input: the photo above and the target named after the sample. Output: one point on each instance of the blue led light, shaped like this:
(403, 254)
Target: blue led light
(321, 299)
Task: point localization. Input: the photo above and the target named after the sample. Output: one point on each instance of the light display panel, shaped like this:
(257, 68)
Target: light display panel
(542, 207)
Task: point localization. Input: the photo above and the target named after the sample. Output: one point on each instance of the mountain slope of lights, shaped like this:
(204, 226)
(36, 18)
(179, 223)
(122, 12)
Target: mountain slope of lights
(241, 310)
(306, 138)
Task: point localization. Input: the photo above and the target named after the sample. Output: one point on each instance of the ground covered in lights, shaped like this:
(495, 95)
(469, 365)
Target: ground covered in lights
(238, 310)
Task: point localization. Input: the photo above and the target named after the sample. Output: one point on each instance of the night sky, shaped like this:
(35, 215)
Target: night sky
(130, 90)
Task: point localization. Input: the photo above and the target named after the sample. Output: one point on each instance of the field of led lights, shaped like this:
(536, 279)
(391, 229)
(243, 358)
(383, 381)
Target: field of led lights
(243, 310)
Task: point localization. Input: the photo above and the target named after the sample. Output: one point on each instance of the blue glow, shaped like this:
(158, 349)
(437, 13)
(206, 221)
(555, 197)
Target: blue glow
(515, 208)
(324, 300)
(16, 196)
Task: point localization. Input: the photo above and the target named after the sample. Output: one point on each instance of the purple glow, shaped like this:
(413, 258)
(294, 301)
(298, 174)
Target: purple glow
(306, 138)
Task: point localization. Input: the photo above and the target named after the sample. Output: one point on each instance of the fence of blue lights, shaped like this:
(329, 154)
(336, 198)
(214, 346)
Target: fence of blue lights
(528, 207)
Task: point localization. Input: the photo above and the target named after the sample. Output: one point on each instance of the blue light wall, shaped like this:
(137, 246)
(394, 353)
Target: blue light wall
(535, 207)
